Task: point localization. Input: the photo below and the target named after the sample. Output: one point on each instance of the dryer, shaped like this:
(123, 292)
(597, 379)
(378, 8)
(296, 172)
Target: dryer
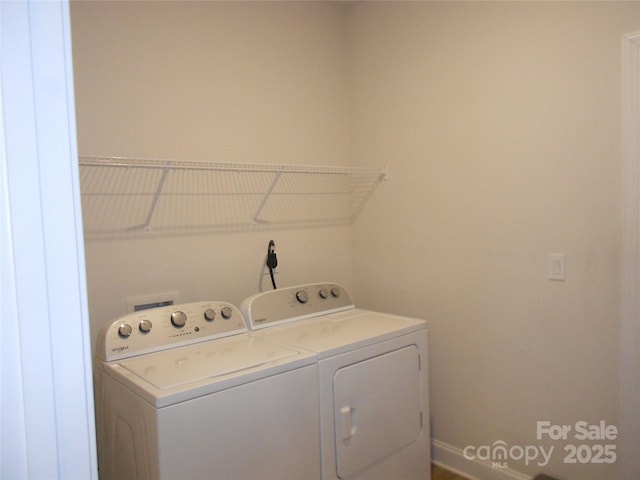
(186, 392)
(373, 380)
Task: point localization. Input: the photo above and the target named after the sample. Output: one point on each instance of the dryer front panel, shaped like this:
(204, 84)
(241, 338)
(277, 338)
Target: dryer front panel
(377, 409)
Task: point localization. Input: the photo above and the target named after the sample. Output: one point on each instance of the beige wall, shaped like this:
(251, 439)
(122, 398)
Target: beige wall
(224, 81)
(501, 127)
(215, 81)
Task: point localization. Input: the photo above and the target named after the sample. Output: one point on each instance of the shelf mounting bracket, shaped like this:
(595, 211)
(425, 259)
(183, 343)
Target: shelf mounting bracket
(266, 197)
(156, 196)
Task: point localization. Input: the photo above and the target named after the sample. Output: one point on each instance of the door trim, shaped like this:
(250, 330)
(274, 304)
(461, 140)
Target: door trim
(629, 422)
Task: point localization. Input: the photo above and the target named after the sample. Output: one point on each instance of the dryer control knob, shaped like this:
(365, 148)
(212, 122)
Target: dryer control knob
(302, 296)
(145, 326)
(124, 330)
(226, 312)
(209, 314)
(323, 293)
(335, 291)
(178, 319)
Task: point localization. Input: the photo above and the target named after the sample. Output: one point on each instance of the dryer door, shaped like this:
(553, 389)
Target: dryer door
(377, 409)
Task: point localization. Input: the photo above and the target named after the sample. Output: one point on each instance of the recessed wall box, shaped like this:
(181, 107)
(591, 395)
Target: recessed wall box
(153, 300)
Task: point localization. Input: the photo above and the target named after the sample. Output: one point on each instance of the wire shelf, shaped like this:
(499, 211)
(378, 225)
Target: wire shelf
(131, 196)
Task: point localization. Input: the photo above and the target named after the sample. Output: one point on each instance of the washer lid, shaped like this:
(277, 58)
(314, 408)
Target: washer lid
(208, 360)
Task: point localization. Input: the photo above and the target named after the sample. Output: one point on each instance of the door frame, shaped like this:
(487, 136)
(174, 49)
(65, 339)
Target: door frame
(46, 406)
(629, 421)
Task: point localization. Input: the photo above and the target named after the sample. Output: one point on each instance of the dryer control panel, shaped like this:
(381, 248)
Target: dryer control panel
(167, 327)
(285, 305)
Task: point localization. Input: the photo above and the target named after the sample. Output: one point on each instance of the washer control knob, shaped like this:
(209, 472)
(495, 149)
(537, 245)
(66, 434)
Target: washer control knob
(302, 296)
(209, 314)
(324, 293)
(145, 326)
(124, 330)
(226, 312)
(335, 291)
(178, 319)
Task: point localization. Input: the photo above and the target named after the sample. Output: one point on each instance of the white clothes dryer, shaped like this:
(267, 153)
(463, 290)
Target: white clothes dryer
(185, 392)
(373, 380)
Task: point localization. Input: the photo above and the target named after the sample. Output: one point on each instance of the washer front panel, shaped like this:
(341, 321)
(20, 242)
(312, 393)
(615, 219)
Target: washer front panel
(264, 424)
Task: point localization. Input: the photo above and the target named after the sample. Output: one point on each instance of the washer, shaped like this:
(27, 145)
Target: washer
(186, 392)
(373, 381)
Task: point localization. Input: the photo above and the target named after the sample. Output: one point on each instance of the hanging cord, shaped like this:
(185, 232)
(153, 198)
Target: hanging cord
(272, 261)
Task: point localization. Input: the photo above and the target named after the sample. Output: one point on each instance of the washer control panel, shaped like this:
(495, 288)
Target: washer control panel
(167, 327)
(284, 305)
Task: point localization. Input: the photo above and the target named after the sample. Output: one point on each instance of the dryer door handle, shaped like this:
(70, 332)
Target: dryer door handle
(349, 422)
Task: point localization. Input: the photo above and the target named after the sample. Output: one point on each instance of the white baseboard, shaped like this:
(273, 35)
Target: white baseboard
(452, 458)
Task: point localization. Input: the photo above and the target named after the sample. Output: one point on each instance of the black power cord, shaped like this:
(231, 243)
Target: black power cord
(272, 261)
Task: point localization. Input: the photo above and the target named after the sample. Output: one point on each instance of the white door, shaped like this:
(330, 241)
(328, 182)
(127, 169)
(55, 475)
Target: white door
(629, 439)
(377, 409)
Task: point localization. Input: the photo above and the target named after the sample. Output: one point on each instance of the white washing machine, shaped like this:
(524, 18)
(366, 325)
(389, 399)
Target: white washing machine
(184, 392)
(373, 381)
